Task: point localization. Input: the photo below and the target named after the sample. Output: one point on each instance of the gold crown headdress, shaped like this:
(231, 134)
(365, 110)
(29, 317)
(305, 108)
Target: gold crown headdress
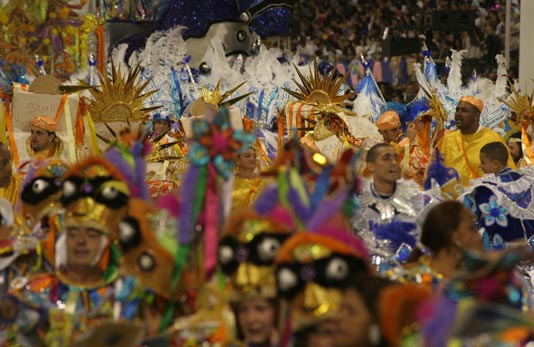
(436, 109)
(319, 89)
(121, 98)
(320, 92)
(427, 139)
(215, 98)
(127, 136)
(522, 105)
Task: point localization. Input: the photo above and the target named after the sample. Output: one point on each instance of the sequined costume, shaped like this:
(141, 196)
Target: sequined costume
(94, 195)
(388, 223)
(65, 310)
(503, 205)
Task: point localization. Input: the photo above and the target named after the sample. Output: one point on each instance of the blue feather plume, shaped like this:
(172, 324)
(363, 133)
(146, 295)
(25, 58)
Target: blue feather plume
(439, 172)
(396, 233)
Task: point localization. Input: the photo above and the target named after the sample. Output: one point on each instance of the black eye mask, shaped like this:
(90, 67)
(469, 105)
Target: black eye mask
(75, 188)
(39, 189)
(331, 272)
(129, 234)
(261, 251)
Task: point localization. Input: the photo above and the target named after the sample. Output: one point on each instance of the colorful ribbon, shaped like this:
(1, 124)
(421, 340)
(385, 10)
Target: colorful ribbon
(71, 143)
(211, 224)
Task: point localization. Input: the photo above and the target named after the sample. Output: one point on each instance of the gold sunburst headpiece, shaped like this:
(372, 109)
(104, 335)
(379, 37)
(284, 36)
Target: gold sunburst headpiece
(522, 105)
(319, 88)
(121, 98)
(215, 98)
(436, 109)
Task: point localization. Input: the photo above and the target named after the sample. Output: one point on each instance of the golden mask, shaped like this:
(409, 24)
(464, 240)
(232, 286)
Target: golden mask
(312, 269)
(247, 251)
(95, 194)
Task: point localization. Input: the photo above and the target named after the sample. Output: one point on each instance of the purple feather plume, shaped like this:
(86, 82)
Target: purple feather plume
(301, 211)
(115, 157)
(140, 174)
(267, 200)
(187, 194)
(436, 318)
(326, 210)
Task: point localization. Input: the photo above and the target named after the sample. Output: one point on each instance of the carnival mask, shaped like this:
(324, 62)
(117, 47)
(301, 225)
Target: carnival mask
(247, 254)
(95, 193)
(40, 195)
(147, 241)
(312, 270)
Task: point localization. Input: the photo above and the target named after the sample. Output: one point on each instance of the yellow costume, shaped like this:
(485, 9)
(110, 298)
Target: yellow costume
(462, 152)
(48, 153)
(246, 190)
(11, 192)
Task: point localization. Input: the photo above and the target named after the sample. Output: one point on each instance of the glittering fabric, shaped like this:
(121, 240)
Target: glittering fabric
(197, 16)
(272, 22)
(503, 206)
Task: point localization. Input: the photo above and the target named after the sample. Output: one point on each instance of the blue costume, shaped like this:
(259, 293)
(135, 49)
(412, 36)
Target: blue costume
(503, 205)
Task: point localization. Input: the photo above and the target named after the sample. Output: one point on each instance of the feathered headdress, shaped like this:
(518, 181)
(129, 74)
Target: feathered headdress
(247, 249)
(397, 308)
(521, 104)
(318, 264)
(95, 192)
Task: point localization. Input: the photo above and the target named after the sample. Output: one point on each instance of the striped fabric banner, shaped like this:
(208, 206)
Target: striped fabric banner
(297, 115)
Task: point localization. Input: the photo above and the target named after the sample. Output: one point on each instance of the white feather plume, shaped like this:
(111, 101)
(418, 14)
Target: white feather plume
(502, 77)
(454, 81)
(118, 55)
(221, 70)
(165, 50)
